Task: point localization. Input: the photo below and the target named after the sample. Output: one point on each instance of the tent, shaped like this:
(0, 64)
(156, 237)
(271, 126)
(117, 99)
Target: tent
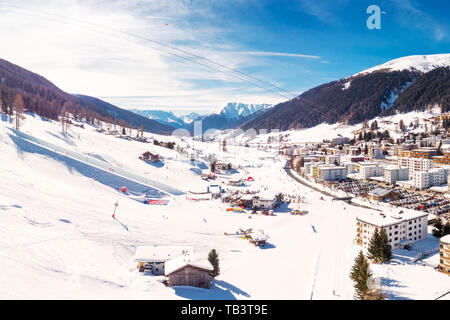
(250, 179)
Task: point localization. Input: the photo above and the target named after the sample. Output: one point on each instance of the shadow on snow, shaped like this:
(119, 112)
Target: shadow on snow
(220, 290)
(102, 176)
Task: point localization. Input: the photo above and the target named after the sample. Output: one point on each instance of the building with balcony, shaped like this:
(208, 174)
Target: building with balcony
(393, 174)
(434, 177)
(445, 159)
(444, 254)
(329, 173)
(403, 227)
(368, 170)
(415, 165)
(426, 153)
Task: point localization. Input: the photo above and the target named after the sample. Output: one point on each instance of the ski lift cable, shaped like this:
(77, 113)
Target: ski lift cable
(229, 71)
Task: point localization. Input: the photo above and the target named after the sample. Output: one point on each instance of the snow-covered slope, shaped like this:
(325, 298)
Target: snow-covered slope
(326, 131)
(58, 239)
(422, 63)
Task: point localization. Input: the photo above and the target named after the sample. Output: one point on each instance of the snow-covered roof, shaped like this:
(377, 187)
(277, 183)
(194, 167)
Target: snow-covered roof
(180, 262)
(394, 216)
(159, 253)
(379, 192)
(446, 239)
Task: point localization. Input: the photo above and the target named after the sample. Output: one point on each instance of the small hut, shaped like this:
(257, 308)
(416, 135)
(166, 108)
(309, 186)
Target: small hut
(148, 156)
(182, 271)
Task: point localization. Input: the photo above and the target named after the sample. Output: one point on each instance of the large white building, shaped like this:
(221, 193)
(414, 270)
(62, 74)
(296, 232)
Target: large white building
(415, 165)
(434, 177)
(367, 170)
(333, 159)
(328, 173)
(393, 174)
(403, 227)
(376, 152)
(421, 180)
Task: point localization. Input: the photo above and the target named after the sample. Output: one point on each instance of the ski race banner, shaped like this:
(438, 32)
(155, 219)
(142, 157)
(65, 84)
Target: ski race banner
(156, 202)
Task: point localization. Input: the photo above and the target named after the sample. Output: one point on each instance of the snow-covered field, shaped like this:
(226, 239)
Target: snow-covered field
(58, 239)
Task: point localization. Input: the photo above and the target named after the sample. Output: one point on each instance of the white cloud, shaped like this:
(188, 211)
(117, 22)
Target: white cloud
(89, 59)
(277, 54)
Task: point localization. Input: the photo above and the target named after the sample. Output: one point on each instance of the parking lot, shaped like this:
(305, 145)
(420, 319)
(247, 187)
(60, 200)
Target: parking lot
(415, 200)
(353, 186)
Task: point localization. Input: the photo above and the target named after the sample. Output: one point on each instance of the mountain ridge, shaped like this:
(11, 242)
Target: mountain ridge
(365, 95)
(44, 98)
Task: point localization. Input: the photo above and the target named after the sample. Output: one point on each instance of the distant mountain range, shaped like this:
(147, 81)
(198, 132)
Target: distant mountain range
(400, 85)
(231, 116)
(167, 117)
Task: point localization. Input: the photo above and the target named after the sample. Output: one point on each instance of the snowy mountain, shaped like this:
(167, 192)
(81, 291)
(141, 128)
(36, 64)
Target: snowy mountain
(231, 116)
(236, 110)
(423, 63)
(188, 118)
(401, 85)
(164, 117)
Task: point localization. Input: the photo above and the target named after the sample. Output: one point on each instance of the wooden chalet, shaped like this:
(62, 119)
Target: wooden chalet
(183, 271)
(148, 156)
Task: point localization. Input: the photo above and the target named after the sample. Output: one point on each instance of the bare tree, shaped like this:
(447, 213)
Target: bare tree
(63, 119)
(19, 107)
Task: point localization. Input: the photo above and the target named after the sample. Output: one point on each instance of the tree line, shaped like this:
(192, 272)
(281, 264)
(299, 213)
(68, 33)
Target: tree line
(14, 103)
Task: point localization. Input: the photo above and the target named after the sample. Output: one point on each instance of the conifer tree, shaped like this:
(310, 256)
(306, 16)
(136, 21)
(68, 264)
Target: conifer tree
(374, 248)
(386, 250)
(213, 258)
(354, 274)
(360, 274)
(438, 228)
(446, 229)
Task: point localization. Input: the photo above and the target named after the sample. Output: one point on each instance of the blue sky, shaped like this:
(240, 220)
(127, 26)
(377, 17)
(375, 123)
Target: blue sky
(295, 45)
(336, 32)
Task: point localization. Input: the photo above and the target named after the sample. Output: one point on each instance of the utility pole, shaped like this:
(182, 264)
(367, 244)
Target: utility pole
(115, 207)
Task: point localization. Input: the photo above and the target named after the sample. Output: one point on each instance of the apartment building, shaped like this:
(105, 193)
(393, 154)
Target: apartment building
(437, 176)
(426, 153)
(329, 173)
(444, 254)
(415, 165)
(333, 159)
(353, 151)
(421, 180)
(403, 227)
(393, 174)
(445, 159)
(375, 152)
(367, 170)
(434, 177)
